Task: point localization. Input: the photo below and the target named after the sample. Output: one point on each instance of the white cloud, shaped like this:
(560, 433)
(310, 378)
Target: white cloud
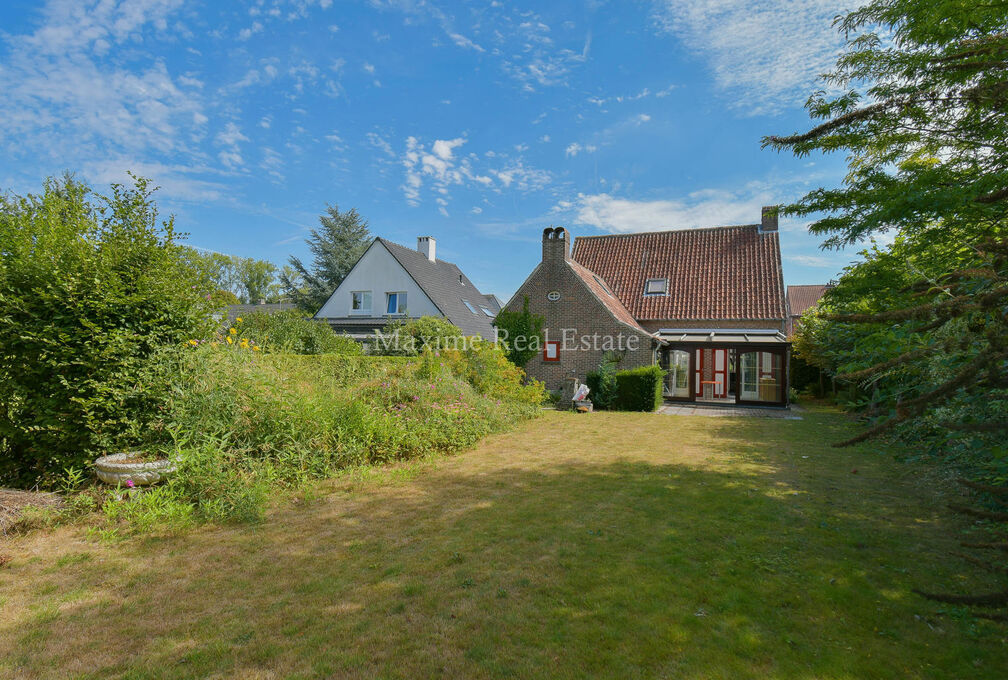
(181, 182)
(706, 208)
(380, 143)
(443, 168)
(369, 68)
(765, 53)
(230, 138)
(64, 101)
(574, 149)
(821, 261)
(247, 33)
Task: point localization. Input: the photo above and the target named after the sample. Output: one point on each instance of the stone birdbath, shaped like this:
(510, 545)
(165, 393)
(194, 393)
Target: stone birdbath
(121, 468)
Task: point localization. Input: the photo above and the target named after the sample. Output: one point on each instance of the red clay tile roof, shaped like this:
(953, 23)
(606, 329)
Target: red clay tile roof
(730, 273)
(800, 298)
(605, 296)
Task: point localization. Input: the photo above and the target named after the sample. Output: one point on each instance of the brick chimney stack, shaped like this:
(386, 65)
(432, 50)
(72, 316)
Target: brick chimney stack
(556, 245)
(769, 218)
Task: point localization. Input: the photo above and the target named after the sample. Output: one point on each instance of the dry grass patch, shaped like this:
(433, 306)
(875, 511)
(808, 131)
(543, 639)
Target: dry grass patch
(610, 545)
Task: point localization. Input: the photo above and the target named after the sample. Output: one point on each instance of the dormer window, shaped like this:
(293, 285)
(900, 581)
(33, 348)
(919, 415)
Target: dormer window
(656, 287)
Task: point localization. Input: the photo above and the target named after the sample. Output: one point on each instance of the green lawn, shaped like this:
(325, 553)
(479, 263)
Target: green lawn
(605, 545)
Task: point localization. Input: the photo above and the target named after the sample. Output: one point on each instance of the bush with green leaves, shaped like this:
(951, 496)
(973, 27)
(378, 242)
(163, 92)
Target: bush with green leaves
(93, 290)
(245, 424)
(410, 337)
(639, 389)
(520, 332)
(602, 384)
(292, 331)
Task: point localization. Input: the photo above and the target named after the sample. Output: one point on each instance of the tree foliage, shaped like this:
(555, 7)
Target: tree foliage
(920, 327)
(335, 247)
(523, 333)
(93, 289)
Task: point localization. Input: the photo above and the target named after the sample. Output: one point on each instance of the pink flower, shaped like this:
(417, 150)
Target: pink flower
(129, 483)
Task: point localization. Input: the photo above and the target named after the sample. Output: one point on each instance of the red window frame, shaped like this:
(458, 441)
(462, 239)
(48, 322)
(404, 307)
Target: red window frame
(546, 350)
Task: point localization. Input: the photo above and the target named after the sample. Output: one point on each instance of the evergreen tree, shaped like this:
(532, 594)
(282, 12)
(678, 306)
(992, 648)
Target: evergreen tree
(335, 246)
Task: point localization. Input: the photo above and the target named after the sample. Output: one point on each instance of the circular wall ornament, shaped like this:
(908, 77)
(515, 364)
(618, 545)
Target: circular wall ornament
(553, 296)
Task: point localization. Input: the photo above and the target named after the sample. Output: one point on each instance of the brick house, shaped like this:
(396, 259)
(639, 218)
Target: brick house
(706, 304)
(800, 299)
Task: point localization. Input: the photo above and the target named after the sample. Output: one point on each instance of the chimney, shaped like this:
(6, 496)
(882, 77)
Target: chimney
(769, 218)
(556, 244)
(427, 245)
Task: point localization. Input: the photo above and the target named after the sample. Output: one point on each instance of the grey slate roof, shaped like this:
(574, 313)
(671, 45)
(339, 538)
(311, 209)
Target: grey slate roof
(446, 285)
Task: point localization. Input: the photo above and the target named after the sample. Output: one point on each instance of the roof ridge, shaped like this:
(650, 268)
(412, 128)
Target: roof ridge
(414, 250)
(670, 231)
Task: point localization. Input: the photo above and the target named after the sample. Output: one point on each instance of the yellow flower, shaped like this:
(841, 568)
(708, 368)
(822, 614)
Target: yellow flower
(230, 341)
(194, 342)
(244, 343)
(257, 348)
(238, 320)
(233, 331)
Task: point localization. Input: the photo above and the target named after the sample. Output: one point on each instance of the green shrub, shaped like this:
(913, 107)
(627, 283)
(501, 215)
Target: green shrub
(639, 389)
(94, 291)
(245, 423)
(292, 331)
(410, 337)
(602, 384)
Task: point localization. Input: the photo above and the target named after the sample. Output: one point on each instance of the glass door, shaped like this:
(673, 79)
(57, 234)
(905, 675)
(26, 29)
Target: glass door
(748, 388)
(678, 374)
(762, 377)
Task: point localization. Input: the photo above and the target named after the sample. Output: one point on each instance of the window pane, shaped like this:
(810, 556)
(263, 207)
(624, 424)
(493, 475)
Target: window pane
(656, 286)
(469, 306)
(401, 299)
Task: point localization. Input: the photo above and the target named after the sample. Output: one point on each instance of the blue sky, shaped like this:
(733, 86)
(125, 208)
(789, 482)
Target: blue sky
(478, 123)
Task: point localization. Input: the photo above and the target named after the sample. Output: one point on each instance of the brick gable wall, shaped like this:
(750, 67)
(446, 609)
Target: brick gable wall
(578, 311)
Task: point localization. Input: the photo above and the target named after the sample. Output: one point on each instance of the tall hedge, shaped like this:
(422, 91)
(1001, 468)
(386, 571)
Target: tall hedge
(93, 289)
(639, 389)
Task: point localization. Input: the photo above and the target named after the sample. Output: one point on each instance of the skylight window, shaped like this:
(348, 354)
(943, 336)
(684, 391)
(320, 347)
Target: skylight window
(656, 287)
(602, 283)
(469, 305)
(487, 311)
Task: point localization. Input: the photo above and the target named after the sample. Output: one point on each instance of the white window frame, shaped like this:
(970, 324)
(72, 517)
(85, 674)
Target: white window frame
(365, 295)
(650, 293)
(400, 307)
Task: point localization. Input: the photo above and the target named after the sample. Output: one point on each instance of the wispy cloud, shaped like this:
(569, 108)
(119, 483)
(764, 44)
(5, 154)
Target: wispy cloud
(439, 165)
(707, 208)
(766, 53)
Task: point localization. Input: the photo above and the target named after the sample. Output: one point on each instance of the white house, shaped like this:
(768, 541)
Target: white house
(392, 281)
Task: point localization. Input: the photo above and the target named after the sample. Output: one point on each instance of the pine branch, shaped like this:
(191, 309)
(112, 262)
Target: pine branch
(829, 126)
(886, 365)
(946, 308)
(993, 197)
(996, 426)
(918, 405)
(986, 488)
(978, 513)
(987, 600)
(1002, 546)
(983, 564)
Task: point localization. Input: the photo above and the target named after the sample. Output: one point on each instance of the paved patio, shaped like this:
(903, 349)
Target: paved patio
(679, 409)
